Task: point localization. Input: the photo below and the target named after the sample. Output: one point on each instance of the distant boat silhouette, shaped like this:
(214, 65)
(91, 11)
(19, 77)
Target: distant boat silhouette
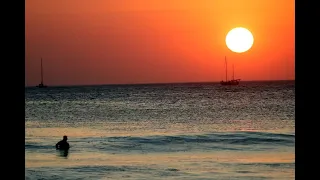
(231, 82)
(41, 85)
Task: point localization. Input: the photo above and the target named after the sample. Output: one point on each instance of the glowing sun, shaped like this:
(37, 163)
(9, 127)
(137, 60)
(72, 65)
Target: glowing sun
(239, 40)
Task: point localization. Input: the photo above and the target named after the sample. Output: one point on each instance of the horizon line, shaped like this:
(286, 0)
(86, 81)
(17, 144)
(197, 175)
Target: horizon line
(126, 84)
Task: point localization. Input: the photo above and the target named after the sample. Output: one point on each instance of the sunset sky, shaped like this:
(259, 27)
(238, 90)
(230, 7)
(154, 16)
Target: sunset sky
(154, 41)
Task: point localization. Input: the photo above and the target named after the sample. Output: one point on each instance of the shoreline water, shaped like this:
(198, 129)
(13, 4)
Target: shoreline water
(157, 132)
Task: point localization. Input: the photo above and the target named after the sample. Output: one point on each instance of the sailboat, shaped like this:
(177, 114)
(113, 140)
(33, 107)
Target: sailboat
(41, 85)
(231, 82)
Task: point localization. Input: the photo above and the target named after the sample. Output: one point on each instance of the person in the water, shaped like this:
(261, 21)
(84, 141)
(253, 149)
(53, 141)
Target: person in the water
(63, 144)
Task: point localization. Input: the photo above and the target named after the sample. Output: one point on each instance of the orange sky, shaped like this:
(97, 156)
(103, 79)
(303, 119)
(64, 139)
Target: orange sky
(150, 41)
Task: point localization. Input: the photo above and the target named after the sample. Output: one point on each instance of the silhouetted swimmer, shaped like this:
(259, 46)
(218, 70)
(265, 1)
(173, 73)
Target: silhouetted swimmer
(63, 144)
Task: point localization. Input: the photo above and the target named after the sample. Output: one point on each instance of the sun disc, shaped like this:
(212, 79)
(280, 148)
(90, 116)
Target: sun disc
(239, 40)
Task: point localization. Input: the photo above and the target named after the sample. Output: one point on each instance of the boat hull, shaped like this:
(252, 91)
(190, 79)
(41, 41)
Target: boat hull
(230, 83)
(41, 86)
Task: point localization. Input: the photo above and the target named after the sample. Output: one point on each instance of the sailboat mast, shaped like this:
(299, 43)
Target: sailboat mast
(226, 68)
(41, 73)
(232, 71)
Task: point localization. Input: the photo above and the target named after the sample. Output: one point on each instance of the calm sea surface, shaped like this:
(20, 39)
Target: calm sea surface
(162, 131)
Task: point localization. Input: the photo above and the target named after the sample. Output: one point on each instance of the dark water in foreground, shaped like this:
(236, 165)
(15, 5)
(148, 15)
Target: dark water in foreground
(165, 131)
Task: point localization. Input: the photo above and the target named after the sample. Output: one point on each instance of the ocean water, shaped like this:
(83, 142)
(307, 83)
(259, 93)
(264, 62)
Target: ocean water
(162, 131)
